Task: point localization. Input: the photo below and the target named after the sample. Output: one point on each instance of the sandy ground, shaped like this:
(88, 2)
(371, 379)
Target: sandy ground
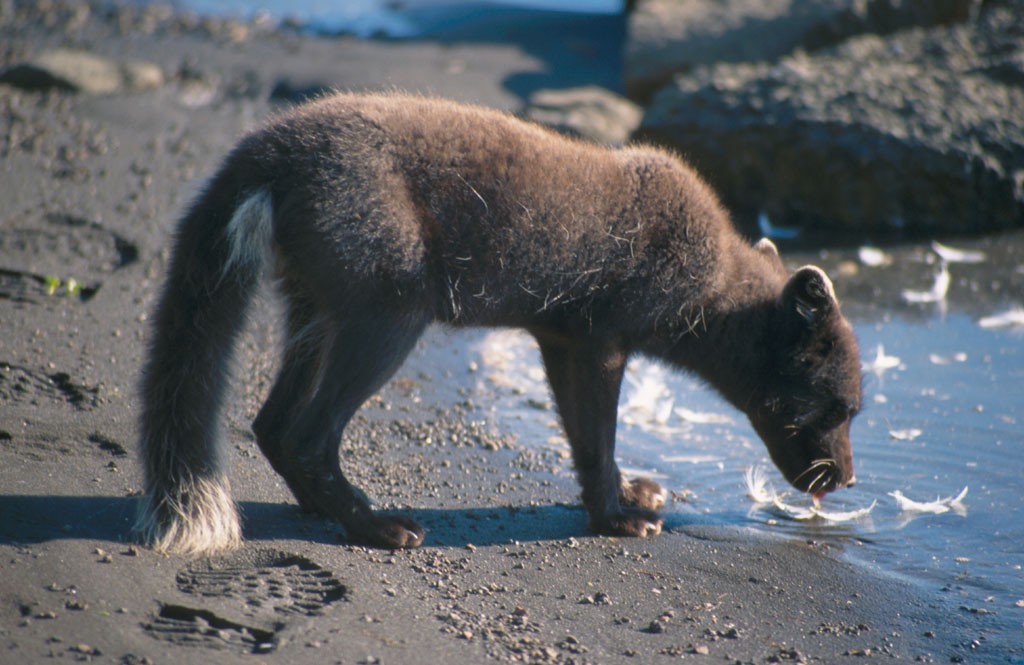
(90, 188)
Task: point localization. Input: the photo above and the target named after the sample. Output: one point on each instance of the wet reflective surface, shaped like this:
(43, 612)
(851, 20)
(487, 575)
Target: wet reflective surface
(944, 391)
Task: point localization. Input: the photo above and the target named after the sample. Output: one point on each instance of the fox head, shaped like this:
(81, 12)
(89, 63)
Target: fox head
(811, 390)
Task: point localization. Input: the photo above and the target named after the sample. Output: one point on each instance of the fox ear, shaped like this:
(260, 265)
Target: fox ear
(766, 247)
(809, 293)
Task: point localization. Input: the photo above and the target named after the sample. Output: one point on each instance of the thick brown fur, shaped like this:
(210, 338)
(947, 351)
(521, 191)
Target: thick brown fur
(380, 214)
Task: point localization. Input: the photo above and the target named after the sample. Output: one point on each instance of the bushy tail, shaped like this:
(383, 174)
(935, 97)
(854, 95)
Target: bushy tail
(221, 247)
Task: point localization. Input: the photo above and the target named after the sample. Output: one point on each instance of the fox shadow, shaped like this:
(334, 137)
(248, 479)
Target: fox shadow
(30, 520)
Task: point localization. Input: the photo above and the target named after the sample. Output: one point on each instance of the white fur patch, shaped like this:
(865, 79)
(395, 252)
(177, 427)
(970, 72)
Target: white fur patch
(249, 233)
(202, 519)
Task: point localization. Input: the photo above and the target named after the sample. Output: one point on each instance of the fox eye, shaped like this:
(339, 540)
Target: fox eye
(807, 417)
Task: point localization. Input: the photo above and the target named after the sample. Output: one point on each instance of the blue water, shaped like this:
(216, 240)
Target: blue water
(391, 18)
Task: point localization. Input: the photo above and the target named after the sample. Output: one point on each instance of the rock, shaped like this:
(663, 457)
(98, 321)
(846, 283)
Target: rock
(591, 112)
(884, 17)
(141, 75)
(920, 130)
(67, 69)
(670, 36)
(81, 71)
(667, 36)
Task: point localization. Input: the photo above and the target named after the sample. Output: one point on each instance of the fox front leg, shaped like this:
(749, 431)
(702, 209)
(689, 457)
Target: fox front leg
(585, 378)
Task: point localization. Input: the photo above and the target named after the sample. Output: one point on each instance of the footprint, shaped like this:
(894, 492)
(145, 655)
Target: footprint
(270, 586)
(28, 287)
(25, 385)
(287, 583)
(69, 250)
(197, 627)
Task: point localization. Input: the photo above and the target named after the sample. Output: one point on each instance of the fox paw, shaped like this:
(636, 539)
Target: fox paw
(642, 493)
(390, 532)
(629, 522)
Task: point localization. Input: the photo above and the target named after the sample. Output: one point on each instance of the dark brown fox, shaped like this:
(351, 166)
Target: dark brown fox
(380, 214)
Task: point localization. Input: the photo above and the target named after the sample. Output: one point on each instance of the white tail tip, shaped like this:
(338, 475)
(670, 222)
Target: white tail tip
(200, 519)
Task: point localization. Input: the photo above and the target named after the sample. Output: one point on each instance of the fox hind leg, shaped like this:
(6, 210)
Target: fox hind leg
(295, 384)
(330, 368)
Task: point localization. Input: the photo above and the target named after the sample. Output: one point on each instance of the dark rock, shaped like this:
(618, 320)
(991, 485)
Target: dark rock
(919, 130)
(884, 17)
(666, 37)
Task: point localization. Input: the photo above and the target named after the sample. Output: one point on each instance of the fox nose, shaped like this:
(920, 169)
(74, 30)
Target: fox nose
(852, 481)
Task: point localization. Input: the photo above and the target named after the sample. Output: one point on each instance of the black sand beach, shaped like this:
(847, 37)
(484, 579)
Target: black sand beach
(91, 186)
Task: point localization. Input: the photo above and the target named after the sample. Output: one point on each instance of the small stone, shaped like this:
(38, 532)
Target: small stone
(139, 75)
(974, 610)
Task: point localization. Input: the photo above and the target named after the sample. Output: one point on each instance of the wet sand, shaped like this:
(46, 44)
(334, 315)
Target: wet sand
(91, 187)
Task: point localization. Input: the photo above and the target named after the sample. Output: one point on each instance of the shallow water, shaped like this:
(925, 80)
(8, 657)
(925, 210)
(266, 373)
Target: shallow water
(956, 382)
(945, 415)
